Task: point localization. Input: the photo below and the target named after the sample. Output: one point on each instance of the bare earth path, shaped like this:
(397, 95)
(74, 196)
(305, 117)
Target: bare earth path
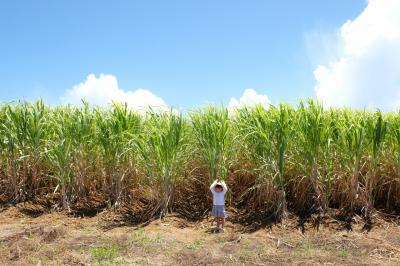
(58, 239)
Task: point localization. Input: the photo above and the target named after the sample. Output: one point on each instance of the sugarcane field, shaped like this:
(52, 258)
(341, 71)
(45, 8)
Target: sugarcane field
(182, 132)
(109, 185)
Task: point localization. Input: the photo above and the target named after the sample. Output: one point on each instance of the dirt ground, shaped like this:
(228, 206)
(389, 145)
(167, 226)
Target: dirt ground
(59, 239)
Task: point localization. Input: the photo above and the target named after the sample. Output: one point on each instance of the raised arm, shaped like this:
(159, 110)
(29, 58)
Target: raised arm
(224, 186)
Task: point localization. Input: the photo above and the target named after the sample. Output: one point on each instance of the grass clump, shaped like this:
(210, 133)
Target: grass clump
(140, 238)
(104, 255)
(196, 244)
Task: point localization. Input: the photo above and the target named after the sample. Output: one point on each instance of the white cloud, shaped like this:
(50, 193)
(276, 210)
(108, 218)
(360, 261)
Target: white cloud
(249, 98)
(104, 90)
(367, 70)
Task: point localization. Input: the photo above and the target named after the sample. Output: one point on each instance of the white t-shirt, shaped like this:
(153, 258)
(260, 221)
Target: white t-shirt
(218, 197)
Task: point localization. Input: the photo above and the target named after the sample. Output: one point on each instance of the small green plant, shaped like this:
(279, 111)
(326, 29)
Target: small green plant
(196, 244)
(139, 238)
(246, 255)
(33, 260)
(104, 255)
(344, 253)
(307, 249)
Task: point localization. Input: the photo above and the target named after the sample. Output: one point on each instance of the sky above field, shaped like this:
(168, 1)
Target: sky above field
(185, 54)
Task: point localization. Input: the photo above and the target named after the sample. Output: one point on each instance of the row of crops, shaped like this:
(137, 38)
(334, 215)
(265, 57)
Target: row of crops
(305, 159)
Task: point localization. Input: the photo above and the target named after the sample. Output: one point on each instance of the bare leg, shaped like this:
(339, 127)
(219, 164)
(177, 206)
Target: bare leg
(221, 222)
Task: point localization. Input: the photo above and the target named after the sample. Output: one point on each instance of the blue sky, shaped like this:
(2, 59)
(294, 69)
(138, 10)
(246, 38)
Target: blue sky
(186, 52)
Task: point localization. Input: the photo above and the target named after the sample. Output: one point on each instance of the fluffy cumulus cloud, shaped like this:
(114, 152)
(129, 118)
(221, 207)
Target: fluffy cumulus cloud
(249, 98)
(366, 73)
(103, 90)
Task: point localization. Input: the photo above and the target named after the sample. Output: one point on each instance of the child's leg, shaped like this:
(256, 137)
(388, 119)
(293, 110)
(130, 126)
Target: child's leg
(222, 222)
(214, 219)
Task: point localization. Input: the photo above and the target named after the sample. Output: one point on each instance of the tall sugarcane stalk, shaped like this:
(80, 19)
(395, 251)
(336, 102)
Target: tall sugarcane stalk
(212, 131)
(163, 150)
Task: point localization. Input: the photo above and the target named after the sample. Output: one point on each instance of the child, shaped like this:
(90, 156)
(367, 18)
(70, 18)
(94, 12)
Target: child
(218, 189)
